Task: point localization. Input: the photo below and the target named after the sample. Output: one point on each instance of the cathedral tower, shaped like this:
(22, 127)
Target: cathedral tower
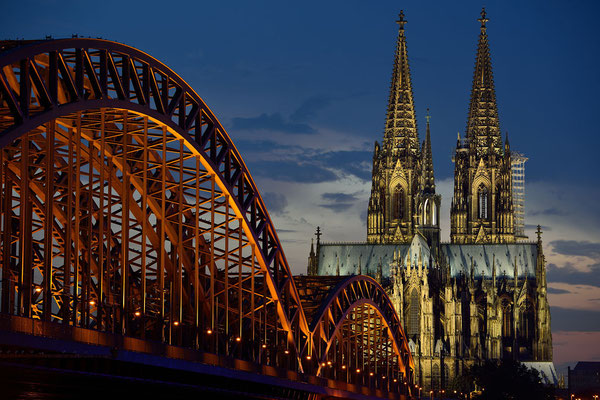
(394, 213)
(482, 207)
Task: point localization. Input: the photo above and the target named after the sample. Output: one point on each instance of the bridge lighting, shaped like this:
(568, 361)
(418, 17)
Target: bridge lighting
(158, 122)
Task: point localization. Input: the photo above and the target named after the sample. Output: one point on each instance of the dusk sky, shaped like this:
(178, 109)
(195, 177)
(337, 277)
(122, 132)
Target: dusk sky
(302, 90)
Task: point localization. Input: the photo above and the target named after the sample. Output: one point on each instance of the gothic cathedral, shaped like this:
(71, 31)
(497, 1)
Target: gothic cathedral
(484, 294)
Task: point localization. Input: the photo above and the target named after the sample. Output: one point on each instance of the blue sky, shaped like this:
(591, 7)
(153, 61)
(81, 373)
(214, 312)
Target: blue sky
(302, 89)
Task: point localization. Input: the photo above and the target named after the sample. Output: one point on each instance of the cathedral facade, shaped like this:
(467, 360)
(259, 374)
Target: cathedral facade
(484, 294)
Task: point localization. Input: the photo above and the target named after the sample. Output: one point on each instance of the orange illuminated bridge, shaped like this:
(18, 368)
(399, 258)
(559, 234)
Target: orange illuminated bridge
(134, 244)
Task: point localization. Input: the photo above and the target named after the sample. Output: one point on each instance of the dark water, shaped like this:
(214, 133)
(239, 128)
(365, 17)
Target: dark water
(30, 382)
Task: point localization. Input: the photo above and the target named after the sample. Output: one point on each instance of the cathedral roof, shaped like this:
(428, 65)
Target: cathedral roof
(546, 370)
(484, 256)
(460, 256)
(350, 254)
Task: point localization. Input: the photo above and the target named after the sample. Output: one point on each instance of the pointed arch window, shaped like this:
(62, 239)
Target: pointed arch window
(435, 376)
(398, 203)
(527, 322)
(482, 202)
(382, 197)
(506, 320)
(426, 212)
(413, 314)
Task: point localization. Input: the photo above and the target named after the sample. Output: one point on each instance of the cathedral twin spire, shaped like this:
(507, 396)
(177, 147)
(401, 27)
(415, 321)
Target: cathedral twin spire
(483, 127)
(401, 127)
(482, 208)
(403, 199)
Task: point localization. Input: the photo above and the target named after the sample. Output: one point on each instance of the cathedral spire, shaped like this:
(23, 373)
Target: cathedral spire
(428, 177)
(483, 127)
(401, 127)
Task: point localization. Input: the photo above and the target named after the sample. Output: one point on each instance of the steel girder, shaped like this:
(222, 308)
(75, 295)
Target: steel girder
(47, 81)
(126, 208)
(355, 332)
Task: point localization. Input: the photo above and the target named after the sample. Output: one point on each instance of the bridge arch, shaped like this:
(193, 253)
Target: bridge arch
(355, 331)
(126, 208)
(79, 87)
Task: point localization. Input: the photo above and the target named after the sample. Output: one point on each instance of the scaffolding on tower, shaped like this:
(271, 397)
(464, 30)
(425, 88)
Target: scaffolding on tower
(518, 192)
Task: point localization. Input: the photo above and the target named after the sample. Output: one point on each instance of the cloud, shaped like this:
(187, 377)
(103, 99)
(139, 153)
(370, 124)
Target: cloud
(293, 171)
(354, 162)
(301, 164)
(532, 227)
(337, 207)
(339, 197)
(581, 248)
(271, 122)
(566, 319)
(574, 296)
(552, 290)
(341, 201)
(310, 107)
(569, 274)
(276, 202)
(363, 216)
(286, 231)
(548, 212)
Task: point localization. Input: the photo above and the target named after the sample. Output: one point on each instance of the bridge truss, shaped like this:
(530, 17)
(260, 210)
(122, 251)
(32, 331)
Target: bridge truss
(125, 209)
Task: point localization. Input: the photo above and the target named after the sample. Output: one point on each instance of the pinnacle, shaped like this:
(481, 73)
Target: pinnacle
(428, 176)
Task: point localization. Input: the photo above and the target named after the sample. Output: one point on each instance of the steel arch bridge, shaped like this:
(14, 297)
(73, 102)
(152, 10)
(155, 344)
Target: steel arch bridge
(130, 221)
